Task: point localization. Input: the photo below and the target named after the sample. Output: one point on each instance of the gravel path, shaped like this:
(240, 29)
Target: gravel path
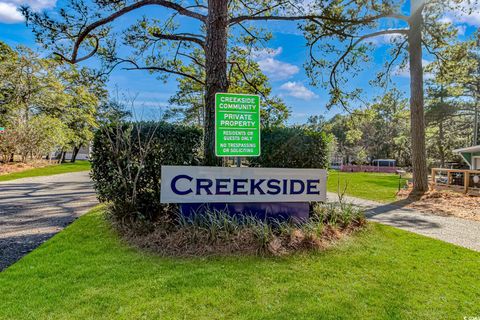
(34, 209)
(465, 233)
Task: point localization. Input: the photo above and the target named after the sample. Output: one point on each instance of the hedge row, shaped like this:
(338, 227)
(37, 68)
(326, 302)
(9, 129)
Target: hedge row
(127, 160)
(292, 147)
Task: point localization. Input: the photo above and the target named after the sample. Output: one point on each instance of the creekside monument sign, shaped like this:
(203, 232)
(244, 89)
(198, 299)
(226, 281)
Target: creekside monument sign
(263, 192)
(267, 193)
(185, 184)
(237, 125)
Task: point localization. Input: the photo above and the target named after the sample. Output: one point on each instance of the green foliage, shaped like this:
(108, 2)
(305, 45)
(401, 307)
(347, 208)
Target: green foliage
(449, 120)
(453, 101)
(382, 130)
(39, 95)
(41, 135)
(219, 226)
(127, 160)
(293, 147)
(250, 235)
(338, 214)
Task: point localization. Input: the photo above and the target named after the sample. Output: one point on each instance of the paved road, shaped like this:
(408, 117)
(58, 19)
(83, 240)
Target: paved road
(458, 231)
(34, 209)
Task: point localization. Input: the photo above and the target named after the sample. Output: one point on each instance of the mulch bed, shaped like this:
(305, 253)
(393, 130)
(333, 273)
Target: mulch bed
(190, 242)
(444, 202)
(6, 168)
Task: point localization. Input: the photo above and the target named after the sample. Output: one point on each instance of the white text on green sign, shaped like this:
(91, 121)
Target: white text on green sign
(237, 125)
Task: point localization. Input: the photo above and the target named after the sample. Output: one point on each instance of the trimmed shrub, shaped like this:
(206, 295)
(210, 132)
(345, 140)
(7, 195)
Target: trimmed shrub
(127, 160)
(292, 147)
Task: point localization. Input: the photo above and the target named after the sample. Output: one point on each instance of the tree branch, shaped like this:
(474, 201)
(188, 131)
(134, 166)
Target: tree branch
(313, 17)
(354, 44)
(167, 4)
(333, 73)
(244, 76)
(179, 37)
(195, 60)
(95, 49)
(438, 56)
(177, 72)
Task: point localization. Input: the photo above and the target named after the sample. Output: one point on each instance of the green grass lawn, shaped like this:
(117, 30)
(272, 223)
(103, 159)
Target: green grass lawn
(85, 272)
(79, 165)
(380, 187)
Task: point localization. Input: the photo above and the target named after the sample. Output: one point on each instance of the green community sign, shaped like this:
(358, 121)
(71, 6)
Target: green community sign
(237, 125)
(2, 130)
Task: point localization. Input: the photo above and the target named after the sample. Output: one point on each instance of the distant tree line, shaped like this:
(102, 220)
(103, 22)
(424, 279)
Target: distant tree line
(45, 106)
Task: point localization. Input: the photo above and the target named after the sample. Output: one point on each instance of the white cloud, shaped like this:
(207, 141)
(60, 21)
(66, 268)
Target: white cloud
(385, 39)
(299, 114)
(273, 68)
(461, 29)
(9, 9)
(9, 13)
(264, 53)
(277, 70)
(297, 90)
(464, 12)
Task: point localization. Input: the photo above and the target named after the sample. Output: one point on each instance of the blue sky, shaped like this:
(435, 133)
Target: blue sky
(283, 63)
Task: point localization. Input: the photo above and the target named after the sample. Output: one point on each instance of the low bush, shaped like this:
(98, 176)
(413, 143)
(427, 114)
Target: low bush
(218, 233)
(338, 214)
(292, 147)
(127, 160)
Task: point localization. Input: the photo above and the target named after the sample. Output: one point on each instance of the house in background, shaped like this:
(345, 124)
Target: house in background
(384, 163)
(83, 153)
(336, 161)
(471, 155)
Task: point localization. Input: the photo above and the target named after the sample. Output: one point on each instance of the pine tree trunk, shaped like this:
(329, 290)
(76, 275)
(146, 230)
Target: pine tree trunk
(475, 125)
(441, 139)
(417, 115)
(216, 71)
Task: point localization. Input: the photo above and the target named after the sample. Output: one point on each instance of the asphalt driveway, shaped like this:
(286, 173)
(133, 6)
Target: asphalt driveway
(34, 209)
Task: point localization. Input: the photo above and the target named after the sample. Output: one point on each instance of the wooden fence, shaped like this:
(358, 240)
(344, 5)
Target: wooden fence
(467, 181)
